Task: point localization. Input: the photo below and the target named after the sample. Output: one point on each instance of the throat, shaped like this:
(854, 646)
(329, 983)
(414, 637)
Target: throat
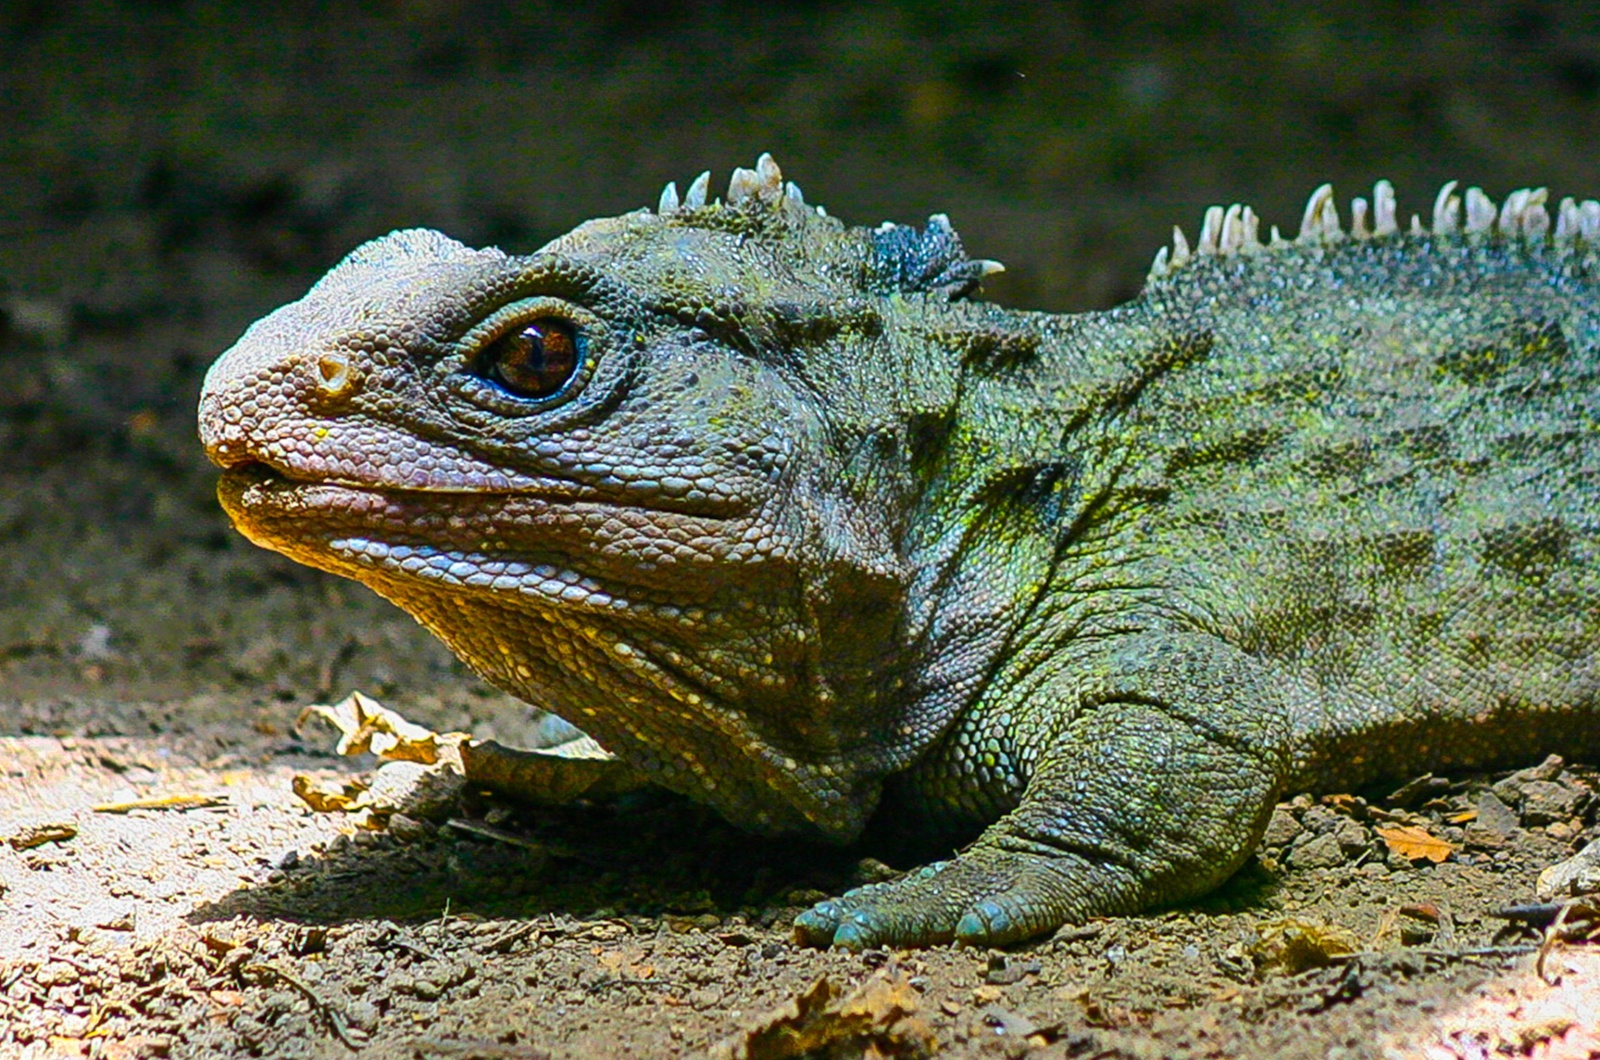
(746, 730)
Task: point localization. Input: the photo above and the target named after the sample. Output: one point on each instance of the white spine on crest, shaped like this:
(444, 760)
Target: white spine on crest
(1312, 223)
(1511, 212)
(1210, 230)
(1523, 218)
(1383, 223)
(1180, 248)
(1235, 230)
(742, 184)
(695, 197)
(1534, 220)
(1158, 267)
(1480, 211)
(770, 178)
(1358, 219)
(1589, 220)
(1232, 235)
(1566, 219)
(1446, 210)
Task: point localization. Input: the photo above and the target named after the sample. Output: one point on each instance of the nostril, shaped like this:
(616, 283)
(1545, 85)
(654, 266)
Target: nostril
(335, 375)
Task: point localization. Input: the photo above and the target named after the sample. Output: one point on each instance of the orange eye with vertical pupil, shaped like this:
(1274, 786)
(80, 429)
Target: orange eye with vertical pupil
(533, 360)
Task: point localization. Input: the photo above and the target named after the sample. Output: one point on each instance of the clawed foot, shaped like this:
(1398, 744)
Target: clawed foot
(983, 898)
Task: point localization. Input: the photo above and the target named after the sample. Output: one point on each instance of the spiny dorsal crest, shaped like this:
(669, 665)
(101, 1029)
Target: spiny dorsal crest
(747, 188)
(903, 258)
(1522, 219)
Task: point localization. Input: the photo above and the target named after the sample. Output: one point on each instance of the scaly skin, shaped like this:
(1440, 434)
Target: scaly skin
(809, 528)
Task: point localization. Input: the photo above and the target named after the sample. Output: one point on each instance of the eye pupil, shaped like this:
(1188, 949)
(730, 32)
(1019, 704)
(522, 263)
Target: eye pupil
(534, 360)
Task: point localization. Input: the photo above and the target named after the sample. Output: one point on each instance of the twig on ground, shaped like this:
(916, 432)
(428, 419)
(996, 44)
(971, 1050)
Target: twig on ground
(325, 1009)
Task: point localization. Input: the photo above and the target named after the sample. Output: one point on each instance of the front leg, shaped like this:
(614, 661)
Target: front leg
(1158, 763)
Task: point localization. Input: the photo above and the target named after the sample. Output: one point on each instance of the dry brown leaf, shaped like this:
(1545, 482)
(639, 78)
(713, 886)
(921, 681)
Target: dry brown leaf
(1576, 875)
(1415, 843)
(365, 725)
(623, 965)
(549, 776)
(1292, 945)
(876, 1019)
(37, 835)
(328, 796)
(1342, 803)
(778, 1033)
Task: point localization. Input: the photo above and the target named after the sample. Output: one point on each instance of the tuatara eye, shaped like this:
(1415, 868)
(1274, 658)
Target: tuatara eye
(533, 360)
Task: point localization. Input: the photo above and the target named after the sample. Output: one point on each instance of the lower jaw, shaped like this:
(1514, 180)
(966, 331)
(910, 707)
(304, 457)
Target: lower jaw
(298, 519)
(325, 525)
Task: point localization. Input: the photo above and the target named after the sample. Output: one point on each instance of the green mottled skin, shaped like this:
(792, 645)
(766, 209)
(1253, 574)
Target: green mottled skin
(813, 533)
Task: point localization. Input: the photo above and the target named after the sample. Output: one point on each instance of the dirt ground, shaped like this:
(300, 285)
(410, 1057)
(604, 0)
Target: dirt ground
(247, 925)
(171, 171)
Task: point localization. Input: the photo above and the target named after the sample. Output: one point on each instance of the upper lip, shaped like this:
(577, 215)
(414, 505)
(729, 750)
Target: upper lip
(252, 466)
(227, 450)
(257, 469)
(243, 462)
(227, 460)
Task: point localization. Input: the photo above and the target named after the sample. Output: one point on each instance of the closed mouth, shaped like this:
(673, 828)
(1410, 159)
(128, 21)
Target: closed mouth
(253, 488)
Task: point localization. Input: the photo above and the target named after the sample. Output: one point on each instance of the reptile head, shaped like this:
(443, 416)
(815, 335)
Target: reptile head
(645, 477)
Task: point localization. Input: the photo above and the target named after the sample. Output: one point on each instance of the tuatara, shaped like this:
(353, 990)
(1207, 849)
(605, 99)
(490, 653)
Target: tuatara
(792, 522)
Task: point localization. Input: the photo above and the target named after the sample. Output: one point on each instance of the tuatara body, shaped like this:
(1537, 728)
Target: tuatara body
(791, 521)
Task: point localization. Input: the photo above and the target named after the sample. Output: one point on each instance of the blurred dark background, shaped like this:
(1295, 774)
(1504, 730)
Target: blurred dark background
(169, 171)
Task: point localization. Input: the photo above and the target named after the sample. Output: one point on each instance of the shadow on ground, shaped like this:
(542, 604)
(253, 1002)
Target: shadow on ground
(650, 855)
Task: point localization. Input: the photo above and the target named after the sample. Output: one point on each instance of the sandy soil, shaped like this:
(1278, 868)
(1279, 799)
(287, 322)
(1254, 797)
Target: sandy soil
(237, 922)
(172, 173)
